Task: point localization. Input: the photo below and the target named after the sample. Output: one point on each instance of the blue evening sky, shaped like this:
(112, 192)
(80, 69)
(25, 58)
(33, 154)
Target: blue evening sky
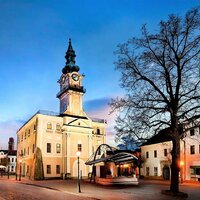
(33, 41)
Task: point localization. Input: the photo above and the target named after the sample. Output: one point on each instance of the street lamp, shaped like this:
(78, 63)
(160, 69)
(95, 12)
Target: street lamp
(20, 169)
(78, 153)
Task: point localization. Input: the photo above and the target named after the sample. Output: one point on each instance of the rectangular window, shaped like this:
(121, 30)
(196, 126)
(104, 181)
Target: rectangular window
(155, 171)
(8, 159)
(27, 170)
(49, 126)
(147, 171)
(34, 128)
(25, 135)
(33, 148)
(48, 169)
(191, 132)
(58, 148)
(12, 168)
(48, 147)
(28, 151)
(57, 169)
(29, 133)
(80, 147)
(192, 149)
(147, 154)
(165, 152)
(155, 153)
(24, 152)
(12, 159)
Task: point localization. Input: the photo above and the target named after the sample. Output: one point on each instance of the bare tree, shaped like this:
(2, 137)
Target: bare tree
(161, 76)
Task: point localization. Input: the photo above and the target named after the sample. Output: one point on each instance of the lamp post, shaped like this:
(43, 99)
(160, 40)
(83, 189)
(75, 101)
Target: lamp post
(78, 153)
(20, 169)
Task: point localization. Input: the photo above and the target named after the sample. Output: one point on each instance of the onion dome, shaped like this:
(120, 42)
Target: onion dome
(70, 65)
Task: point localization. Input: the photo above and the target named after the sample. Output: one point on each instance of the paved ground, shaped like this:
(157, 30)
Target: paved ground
(62, 189)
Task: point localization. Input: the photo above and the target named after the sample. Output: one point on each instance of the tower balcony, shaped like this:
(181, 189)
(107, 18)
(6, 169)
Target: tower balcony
(75, 88)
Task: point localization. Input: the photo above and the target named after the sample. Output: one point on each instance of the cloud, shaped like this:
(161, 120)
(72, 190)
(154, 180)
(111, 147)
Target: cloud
(99, 108)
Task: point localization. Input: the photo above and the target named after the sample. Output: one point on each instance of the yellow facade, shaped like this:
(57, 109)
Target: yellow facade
(48, 142)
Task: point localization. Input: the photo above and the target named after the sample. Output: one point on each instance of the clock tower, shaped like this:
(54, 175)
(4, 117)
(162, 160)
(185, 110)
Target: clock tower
(71, 89)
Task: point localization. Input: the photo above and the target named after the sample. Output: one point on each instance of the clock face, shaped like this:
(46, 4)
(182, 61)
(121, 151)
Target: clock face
(75, 77)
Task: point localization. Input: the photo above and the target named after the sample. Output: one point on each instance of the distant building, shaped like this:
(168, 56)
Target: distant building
(8, 158)
(48, 141)
(156, 154)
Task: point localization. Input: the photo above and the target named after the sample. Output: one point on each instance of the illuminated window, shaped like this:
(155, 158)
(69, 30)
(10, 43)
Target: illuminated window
(48, 169)
(57, 169)
(80, 147)
(48, 147)
(58, 148)
(49, 126)
(58, 127)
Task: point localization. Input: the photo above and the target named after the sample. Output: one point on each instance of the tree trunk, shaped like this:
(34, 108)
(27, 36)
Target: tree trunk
(174, 186)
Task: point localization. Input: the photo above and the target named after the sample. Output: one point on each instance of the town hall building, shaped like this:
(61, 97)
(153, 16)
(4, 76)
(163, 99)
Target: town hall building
(48, 142)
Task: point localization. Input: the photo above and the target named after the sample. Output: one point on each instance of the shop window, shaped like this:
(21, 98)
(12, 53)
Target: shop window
(192, 149)
(58, 148)
(79, 147)
(48, 169)
(57, 169)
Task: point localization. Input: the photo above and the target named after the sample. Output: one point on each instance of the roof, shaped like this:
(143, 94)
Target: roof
(116, 158)
(10, 153)
(162, 136)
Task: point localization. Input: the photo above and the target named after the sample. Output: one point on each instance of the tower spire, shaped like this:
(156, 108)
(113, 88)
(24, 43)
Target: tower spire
(70, 55)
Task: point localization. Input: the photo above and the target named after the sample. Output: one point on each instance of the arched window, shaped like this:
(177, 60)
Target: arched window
(49, 126)
(98, 131)
(58, 127)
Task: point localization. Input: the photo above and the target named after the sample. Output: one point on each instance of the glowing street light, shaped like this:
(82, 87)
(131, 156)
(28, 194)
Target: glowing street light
(78, 153)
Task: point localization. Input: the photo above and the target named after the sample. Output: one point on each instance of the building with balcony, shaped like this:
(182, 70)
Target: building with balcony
(48, 141)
